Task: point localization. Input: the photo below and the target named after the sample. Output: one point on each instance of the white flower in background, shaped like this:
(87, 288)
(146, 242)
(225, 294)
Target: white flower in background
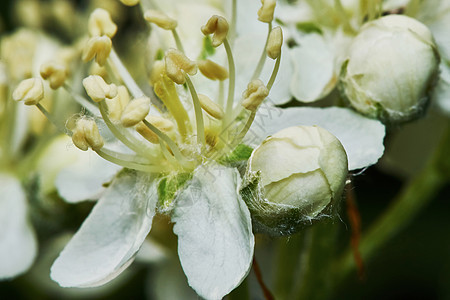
(180, 159)
(391, 70)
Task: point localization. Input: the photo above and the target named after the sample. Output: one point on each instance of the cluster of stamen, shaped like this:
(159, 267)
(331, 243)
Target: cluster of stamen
(181, 144)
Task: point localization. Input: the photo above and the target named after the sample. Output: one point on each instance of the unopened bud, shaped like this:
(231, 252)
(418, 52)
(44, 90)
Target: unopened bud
(30, 90)
(98, 89)
(293, 178)
(392, 67)
(255, 93)
(117, 104)
(86, 134)
(55, 73)
(160, 19)
(212, 70)
(265, 13)
(211, 107)
(100, 23)
(218, 26)
(177, 64)
(274, 43)
(98, 47)
(130, 2)
(135, 111)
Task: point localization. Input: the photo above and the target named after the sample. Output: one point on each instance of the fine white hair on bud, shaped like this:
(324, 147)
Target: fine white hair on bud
(391, 69)
(86, 134)
(294, 177)
(30, 90)
(130, 2)
(218, 26)
(254, 95)
(135, 111)
(98, 89)
(177, 64)
(211, 107)
(212, 70)
(117, 104)
(265, 13)
(100, 23)
(160, 19)
(97, 47)
(55, 73)
(274, 43)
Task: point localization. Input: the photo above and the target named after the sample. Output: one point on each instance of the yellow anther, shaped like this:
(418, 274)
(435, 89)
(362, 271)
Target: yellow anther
(158, 70)
(211, 107)
(98, 47)
(218, 26)
(212, 70)
(130, 2)
(117, 104)
(135, 111)
(149, 135)
(161, 123)
(98, 89)
(177, 64)
(55, 73)
(274, 43)
(86, 134)
(160, 19)
(255, 93)
(265, 13)
(100, 23)
(30, 90)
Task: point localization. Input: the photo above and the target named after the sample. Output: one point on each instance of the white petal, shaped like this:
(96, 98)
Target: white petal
(361, 137)
(18, 244)
(441, 94)
(109, 238)
(84, 179)
(313, 64)
(215, 240)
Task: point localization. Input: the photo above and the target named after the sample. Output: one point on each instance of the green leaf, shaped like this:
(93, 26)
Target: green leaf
(168, 187)
(308, 27)
(240, 153)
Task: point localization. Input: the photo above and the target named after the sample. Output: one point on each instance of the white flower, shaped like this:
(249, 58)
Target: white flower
(187, 169)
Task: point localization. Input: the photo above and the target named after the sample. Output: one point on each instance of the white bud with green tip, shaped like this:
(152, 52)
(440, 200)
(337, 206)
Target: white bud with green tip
(294, 177)
(391, 69)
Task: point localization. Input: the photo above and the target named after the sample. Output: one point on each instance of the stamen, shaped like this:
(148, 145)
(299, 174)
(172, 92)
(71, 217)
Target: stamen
(135, 111)
(117, 104)
(231, 82)
(160, 19)
(98, 89)
(274, 73)
(177, 64)
(52, 120)
(123, 135)
(100, 23)
(83, 101)
(232, 31)
(31, 91)
(173, 147)
(255, 93)
(165, 89)
(265, 13)
(198, 113)
(125, 75)
(55, 73)
(98, 47)
(118, 160)
(212, 70)
(212, 108)
(86, 134)
(274, 43)
(343, 16)
(262, 58)
(218, 26)
(159, 122)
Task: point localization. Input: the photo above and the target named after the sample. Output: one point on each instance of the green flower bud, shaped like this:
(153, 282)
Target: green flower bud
(294, 177)
(391, 69)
